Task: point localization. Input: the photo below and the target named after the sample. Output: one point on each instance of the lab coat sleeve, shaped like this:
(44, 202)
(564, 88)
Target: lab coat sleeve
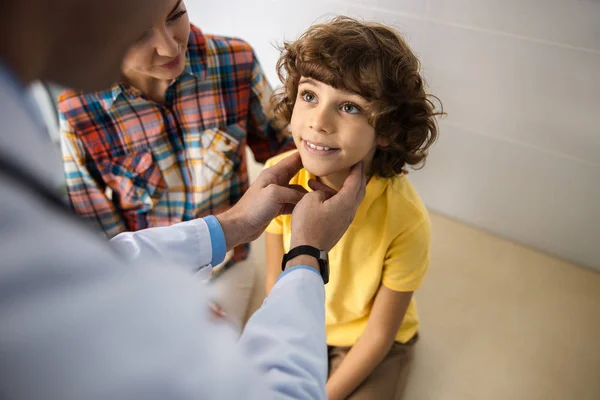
(285, 338)
(193, 244)
(80, 322)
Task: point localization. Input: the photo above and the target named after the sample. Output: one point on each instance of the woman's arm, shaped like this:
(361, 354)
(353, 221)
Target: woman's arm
(274, 255)
(265, 138)
(86, 195)
(371, 348)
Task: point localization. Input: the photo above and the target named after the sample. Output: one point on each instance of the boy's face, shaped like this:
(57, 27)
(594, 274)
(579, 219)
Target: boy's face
(331, 129)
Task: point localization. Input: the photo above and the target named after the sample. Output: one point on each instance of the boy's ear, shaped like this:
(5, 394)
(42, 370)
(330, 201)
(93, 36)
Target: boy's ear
(382, 141)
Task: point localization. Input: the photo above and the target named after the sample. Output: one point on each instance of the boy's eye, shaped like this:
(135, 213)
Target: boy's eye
(308, 97)
(350, 108)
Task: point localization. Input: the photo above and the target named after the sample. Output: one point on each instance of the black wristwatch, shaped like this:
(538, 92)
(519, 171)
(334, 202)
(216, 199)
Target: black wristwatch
(320, 255)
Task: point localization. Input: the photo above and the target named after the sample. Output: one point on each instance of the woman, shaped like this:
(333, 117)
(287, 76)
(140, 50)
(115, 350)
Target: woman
(168, 143)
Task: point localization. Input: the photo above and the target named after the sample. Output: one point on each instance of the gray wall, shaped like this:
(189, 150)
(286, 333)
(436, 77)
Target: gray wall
(520, 80)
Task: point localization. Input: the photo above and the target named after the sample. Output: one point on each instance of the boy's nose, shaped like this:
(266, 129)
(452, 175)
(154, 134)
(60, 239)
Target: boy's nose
(320, 121)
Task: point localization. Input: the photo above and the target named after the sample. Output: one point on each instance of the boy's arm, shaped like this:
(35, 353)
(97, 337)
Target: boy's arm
(274, 255)
(386, 317)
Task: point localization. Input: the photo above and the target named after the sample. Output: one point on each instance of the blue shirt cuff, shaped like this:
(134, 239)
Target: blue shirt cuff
(217, 240)
(287, 271)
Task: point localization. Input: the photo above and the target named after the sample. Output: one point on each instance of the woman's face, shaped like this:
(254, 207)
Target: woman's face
(160, 52)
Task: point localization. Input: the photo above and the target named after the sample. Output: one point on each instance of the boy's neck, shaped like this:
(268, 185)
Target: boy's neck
(337, 179)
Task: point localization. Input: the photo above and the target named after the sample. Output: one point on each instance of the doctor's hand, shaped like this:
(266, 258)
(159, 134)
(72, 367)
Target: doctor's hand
(322, 217)
(268, 197)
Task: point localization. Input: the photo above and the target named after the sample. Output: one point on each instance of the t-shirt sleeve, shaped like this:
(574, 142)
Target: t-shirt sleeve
(276, 226)
(407, 258)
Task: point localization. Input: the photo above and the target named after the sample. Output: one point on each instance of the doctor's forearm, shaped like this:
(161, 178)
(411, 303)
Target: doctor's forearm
(286, 336)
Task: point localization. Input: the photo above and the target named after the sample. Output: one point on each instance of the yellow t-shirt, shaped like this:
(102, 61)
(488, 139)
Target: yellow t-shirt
(387, 243)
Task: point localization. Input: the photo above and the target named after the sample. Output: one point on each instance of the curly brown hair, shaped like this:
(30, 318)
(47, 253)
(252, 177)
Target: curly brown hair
(372, 60)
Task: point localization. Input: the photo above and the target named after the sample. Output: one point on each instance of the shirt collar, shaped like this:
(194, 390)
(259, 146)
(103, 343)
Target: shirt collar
(375, 188)
(25, 95)
(113, 94)
(195, 65)
(23, 138)
(196, 55)
(8, 78)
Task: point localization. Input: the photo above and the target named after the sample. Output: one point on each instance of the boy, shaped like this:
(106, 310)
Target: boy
(353, 92)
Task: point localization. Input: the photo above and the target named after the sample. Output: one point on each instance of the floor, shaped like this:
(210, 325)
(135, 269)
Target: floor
(499, 321)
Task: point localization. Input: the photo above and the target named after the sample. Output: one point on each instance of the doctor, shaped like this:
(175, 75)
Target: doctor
(81, 318)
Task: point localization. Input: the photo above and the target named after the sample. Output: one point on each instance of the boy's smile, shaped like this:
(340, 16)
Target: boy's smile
(318, 149)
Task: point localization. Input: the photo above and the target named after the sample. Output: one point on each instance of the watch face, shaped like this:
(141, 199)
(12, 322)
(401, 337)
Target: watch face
(324, 264)
(324, 256)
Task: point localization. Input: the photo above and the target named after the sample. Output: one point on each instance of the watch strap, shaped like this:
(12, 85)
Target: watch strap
(320, 255)
(299, 251)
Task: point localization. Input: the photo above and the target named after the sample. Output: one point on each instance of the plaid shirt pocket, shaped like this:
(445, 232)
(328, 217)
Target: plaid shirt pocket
(136, 178)
(219, 157)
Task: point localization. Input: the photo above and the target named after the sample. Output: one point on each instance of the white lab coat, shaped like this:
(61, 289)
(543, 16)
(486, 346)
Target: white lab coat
(82, 318)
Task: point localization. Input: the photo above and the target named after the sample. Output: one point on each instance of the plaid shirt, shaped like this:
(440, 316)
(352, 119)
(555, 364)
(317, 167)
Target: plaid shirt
(131, 163)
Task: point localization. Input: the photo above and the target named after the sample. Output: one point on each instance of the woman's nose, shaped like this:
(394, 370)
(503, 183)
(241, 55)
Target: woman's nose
(166, 45)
